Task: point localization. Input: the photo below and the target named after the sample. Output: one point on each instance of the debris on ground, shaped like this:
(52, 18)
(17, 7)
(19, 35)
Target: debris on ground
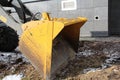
(96, 60)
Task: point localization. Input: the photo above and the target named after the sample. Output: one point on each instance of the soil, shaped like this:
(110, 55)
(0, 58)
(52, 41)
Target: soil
(96, 60)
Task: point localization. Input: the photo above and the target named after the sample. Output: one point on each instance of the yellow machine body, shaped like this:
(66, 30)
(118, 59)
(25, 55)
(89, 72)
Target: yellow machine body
(49, 43)
(3, 19)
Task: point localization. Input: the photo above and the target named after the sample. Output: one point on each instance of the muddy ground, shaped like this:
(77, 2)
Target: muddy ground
(96, 60)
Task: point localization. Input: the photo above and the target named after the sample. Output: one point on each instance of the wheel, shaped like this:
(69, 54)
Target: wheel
(6, 3)
(8, 39)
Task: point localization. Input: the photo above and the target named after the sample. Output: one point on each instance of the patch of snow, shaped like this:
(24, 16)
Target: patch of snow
(88, 70)
(112, 58)
(11, 57)
(13, 77)
(93, 70)
(85, 53)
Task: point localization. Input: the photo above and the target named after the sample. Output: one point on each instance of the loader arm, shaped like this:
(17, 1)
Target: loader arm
(9, 21)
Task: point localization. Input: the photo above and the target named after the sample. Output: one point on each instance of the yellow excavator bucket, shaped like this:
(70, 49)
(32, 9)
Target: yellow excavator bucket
(49, 44)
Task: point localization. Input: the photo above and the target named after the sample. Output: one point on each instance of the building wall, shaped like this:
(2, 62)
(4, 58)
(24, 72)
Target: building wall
(90, 9)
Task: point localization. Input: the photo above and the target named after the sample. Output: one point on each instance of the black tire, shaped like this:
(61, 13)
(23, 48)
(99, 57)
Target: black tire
(8, 39)
(6, 3)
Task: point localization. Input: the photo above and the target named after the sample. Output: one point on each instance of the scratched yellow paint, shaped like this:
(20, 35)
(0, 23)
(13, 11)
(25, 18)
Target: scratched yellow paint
(36, 43)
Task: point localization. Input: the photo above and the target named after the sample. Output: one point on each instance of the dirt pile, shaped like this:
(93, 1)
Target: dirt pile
(92, 56)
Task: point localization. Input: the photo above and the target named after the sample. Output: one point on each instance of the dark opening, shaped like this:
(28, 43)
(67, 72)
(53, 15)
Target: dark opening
(114, 17)
(96, 17)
